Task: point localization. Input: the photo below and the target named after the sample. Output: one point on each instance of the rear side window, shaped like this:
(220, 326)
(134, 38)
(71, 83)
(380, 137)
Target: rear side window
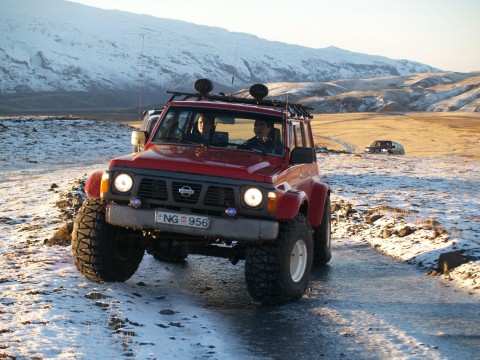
(307, 135)
(297, 134)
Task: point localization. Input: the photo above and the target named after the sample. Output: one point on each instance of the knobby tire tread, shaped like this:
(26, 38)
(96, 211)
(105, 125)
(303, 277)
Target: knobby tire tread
(91, 238)
(264, 267)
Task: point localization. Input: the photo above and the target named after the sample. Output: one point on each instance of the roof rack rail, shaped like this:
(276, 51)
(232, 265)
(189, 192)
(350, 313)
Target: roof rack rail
(295, 110)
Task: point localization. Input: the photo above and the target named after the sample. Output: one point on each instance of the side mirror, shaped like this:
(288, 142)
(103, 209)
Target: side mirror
(139, 138)
(302, 155)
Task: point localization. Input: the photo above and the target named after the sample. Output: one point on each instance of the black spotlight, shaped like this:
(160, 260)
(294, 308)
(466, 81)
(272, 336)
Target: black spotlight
(258, 91)
(203, 86)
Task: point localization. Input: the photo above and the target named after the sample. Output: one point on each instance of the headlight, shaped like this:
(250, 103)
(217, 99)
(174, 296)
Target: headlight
(253, 197)
(123, 183)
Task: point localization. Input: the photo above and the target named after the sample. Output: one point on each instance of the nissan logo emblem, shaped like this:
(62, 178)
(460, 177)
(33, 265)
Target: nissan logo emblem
(186, 191)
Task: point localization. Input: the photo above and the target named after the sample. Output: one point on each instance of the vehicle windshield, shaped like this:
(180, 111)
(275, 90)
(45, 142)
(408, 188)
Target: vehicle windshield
(383, 144)
(232, 129)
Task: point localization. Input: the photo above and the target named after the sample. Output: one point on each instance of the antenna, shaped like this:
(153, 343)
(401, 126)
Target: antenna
(286, 104)
(234, 66)
(142, 80)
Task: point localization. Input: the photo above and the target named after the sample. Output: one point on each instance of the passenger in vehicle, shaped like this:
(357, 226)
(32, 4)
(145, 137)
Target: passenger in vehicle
(202, 130)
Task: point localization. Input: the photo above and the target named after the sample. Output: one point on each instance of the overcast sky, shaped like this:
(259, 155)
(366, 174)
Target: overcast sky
(440, 33)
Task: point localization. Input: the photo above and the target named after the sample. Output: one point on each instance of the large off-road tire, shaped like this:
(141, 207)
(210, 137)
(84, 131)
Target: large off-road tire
(169, 250)
(322, 237)
(278, 272)
(102, 252)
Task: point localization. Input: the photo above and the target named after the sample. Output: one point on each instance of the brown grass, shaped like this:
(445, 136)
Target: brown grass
(432, 134)
(421, 134)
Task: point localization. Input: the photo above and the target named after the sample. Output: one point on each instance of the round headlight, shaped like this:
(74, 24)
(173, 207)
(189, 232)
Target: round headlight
(253, 197)
(123, 183)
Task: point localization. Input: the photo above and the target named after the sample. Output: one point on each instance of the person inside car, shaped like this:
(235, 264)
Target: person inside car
(263, 140)
(202, 130)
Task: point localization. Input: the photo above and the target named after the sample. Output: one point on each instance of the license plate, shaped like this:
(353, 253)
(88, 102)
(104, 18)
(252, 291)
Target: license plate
(163, 217)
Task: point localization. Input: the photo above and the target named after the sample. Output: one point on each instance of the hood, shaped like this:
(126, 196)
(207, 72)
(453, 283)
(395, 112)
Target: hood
(204, 161)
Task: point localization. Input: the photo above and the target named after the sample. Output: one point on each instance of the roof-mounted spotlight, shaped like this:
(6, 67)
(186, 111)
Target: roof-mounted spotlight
(203, 86)
(258, 91)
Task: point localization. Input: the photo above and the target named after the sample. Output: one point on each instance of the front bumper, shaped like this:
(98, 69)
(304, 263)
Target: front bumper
(239, 229)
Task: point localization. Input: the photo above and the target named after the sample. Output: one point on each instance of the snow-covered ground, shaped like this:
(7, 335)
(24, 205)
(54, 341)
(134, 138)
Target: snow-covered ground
(434, 201)
(48, 310)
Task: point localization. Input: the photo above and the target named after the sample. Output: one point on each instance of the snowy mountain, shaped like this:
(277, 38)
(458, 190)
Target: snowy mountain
(415, 92)
(58, 46)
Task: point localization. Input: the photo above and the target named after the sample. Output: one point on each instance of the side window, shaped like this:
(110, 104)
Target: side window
(295, 134)
(307, 135)
(298, 128)
(291, 137)
(173, 124)
(166, 125)
(152, 122)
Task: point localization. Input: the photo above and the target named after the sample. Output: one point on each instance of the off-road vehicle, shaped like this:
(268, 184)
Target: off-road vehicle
(150, 118)
(386, 147)
(218, 175)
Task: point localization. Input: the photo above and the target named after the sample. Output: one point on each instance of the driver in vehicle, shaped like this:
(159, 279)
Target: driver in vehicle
(263, 140)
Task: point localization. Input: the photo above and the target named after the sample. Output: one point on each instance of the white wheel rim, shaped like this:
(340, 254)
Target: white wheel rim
(298, 260)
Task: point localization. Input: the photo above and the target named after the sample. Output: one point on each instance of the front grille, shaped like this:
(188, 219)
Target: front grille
(220, 196)
(153, 189)
(181, 194)
(186, 193)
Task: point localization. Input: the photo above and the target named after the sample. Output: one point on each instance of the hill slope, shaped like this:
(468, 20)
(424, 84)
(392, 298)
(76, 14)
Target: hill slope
(57, 46)
(414, 92)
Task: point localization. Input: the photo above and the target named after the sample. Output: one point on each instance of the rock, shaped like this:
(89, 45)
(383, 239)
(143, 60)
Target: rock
(431, 224)
(63, 204)
(62, 236)
(95, 295)
(449, 261)
(77, 201)
(374, 218)
(406, 230)
(335, 207)
(349, 211)
(386, 233)
(167, 312)
(102, 304)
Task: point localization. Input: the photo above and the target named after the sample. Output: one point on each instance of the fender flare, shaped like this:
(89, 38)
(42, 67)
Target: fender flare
(289, 204)
(92, 186)
(318, 195)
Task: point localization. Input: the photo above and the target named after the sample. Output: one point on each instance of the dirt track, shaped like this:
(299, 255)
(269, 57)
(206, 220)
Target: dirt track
(422, 134)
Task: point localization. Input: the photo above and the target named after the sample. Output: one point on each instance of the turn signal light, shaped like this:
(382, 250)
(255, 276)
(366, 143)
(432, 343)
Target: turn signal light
(104, 185)
(272, 202)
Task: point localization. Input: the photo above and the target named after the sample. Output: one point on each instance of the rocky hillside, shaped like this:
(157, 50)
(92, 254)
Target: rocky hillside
(417, 92)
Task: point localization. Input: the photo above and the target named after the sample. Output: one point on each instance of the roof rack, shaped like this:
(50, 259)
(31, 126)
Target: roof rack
(295, 110)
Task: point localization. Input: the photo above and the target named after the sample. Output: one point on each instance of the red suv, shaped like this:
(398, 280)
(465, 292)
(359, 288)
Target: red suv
(218, 175)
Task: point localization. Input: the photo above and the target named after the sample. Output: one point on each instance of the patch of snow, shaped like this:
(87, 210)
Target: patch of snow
(47, 308)
(437, 198)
